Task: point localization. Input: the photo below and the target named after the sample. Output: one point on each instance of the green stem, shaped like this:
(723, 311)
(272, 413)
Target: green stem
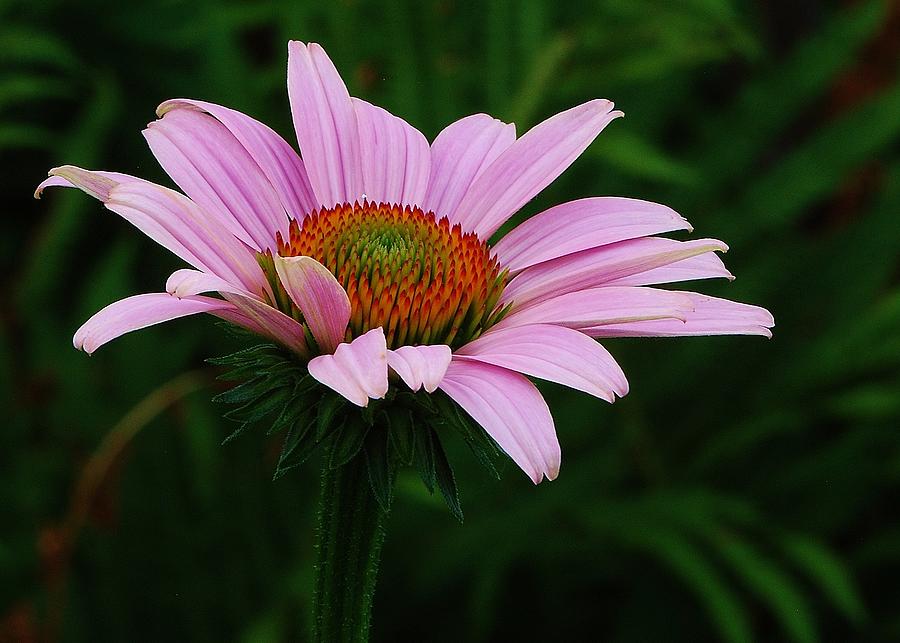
(350, 533)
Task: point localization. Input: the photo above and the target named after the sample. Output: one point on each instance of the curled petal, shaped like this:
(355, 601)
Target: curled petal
(319, 296)
(459, 154)
(173, 221)
(581, 225)
(601, 306)
(188, 282)
(600, 266)
(420, 366)
(530, 164)
(275, 157)
(358, 370)
(709, 316)
(211, 166)
(325, 121)
(139, 311)
(552, 353)
(511, 410)
(261, 318)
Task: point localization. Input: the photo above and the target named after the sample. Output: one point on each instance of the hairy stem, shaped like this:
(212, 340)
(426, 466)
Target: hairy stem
(350, 533)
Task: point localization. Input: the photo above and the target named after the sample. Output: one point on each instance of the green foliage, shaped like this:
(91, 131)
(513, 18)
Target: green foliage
(743, 490)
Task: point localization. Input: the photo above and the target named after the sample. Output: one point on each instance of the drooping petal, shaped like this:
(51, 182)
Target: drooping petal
(212, 167)
(275, 157)
(710, 316)
(173, 221)
(357, 370)
(395, 156)
(552, 353)
(325, 122)
(704, 266)
(599, 266)
(421, 366)
(263, 319)
(511, 410)
(319, 296)
(601, 306)
(581, 225)
(530, 164)
(462, 151)
(139, 311)
(188, 282)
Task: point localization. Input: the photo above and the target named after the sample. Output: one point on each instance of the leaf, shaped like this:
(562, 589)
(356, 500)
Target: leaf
(829, 573)
(425, 456)
(299, 444)
(329, 409)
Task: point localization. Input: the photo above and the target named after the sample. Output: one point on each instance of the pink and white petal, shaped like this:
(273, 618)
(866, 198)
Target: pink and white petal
(395, 156)
(601, 306)
(711, 316)
(212, 167)
(173, 221)
(319, 296)
(274, 156)
(552, 353)
(139, 311)
(325, 122)
(421, 366)
(358, 370)
(581, 225)
(188, 282)
(530, 164)
(511, 410)
(599, 266)
(704, 266)
(263, 319)
(459, 154)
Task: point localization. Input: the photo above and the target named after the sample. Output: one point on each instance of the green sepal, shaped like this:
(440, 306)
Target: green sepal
(348, 440)
(402, 433)
(446, 481)
(380, 467)
(479, 442)
(299, 444)
(424, 448)
(330, 409)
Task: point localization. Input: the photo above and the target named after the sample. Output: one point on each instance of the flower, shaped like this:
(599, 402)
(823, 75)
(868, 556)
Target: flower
(368, 255)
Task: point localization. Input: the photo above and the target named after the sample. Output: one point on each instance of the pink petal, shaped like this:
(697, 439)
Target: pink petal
(420, 366)
(710, 316)
(139, 311)
(530, 164)
(274, 156)
(511, 410)
(396, 158)
(263, 319)
(601, 306)
(188, 282)
(211, 166)
(461, 152)
(357, 370)
(319, 296)
(325, 122)
(552, 353)
(173, 221)
(599, 266)
(704, 266)
(581, 225)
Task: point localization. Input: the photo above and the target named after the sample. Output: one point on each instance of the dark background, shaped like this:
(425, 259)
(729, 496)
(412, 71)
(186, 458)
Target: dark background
(744, 490)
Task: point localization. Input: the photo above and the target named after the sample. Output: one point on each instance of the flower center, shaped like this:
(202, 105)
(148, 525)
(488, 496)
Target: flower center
(419, 278)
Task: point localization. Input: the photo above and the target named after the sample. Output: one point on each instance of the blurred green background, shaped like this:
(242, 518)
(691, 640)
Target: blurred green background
(744, 490)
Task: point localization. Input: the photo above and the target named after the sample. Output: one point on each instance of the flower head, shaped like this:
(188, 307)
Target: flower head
(368, 255)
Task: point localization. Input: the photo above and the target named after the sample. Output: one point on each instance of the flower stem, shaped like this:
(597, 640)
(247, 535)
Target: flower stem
(350, 533)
